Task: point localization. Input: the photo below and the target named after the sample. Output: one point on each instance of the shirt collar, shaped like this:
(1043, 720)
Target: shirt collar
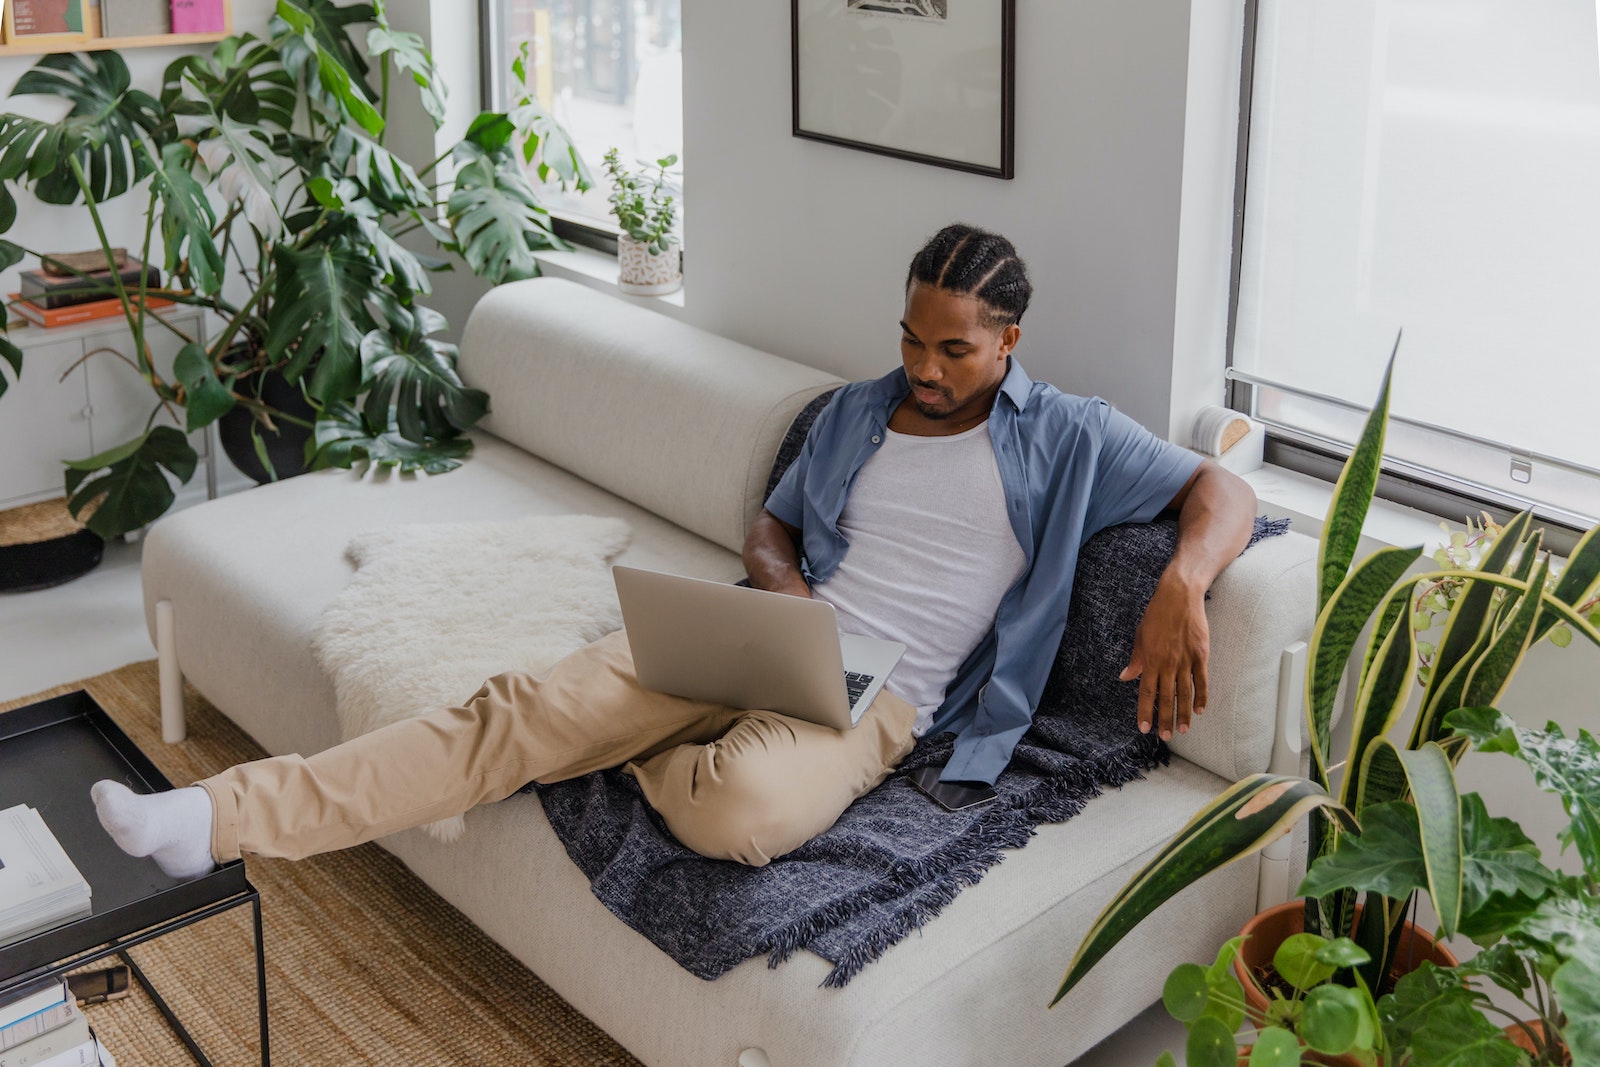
(892, 387)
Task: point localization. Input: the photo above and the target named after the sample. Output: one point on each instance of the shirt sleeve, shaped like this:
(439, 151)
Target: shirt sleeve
(1136, 474)
(787, 502)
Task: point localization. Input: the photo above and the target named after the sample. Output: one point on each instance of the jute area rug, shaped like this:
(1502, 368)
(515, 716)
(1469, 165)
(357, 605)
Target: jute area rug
(365, 963)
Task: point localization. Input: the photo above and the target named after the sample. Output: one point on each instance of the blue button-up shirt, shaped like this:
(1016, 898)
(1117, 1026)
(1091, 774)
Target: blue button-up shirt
(1070, 466)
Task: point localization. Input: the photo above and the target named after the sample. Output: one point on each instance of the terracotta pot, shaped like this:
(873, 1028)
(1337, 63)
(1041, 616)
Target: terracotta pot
(641, 274)
(1269, 929)
(1519, 1037)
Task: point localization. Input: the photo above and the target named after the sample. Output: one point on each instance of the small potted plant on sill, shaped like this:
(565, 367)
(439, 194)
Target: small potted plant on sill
(1500, 608)
(649, 257)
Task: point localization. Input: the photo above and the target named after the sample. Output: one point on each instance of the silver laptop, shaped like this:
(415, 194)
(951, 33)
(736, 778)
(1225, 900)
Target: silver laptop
(748, 648)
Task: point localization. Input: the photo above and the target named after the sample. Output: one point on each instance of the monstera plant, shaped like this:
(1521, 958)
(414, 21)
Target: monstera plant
(1387, 818)
(271, 200)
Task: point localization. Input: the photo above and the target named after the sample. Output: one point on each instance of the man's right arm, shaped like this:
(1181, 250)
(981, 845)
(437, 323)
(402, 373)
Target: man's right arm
(772, 556)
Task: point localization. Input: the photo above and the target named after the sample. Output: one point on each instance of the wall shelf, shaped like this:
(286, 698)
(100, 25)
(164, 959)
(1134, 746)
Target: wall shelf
(96, 43)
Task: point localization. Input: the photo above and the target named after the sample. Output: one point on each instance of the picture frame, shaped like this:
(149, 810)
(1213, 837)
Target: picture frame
(932, 81)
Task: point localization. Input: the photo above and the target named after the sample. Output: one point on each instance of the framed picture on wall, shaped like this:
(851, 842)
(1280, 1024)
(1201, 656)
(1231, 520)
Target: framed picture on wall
(926, 80)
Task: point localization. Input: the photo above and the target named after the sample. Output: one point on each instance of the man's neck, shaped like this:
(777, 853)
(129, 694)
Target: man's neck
(908, 419)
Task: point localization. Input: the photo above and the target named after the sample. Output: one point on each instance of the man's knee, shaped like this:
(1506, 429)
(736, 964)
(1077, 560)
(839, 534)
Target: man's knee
(734, 812)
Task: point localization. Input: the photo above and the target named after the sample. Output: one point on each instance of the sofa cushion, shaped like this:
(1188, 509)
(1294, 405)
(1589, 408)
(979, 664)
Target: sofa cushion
(596, 386)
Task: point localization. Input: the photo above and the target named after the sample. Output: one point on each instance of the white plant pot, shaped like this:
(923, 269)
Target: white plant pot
(641, 274)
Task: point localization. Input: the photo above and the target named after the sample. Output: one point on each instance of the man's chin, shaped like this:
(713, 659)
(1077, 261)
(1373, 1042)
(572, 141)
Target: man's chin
(931, 412)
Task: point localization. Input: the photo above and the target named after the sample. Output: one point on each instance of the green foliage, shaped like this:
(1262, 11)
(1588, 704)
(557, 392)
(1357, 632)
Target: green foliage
(264, 172)
(643, 206)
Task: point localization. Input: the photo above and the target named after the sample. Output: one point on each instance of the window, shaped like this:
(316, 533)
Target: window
(1431, 165)
(610, 71)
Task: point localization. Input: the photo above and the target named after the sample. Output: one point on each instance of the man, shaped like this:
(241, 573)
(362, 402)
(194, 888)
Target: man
(942, 506)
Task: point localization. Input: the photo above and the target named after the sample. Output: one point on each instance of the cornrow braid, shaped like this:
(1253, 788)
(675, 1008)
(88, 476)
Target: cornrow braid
(972, 262)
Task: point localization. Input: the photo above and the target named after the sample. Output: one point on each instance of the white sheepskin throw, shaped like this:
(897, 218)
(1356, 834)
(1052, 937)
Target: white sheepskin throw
(435, 610)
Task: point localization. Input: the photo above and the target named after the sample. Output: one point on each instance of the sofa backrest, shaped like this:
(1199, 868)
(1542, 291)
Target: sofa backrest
(673, 418)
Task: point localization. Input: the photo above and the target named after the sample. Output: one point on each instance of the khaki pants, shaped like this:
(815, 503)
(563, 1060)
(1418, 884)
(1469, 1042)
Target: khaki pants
(731, 784)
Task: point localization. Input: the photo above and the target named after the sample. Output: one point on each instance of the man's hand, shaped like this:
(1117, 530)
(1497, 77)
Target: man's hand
(772, 556)
(1216, 511)
(1171, 649)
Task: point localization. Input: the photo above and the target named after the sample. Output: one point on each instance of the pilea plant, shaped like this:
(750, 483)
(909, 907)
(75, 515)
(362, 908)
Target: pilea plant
(643, 206)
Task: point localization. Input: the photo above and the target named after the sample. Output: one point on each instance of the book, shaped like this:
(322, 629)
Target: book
(135, 18)
(33, 999)
(39, 886)
(76, 313)
(48, 1044)
(38, 1023)
(88, 1054)
(53, 291)
(198, 16)
(27, 19)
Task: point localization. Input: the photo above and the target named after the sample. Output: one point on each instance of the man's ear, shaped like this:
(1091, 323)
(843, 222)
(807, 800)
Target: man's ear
(1009, 338)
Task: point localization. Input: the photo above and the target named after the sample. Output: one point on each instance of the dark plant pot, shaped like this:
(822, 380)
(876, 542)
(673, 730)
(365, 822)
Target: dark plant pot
(41, 546)
(286, 447)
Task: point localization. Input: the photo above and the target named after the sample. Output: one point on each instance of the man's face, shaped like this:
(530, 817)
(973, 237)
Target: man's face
(954, 360)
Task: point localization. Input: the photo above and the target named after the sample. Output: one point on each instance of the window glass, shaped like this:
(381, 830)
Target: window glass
(1431, 165)
(610, 71)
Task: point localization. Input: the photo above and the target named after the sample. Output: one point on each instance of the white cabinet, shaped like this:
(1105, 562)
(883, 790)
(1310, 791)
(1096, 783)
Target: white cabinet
(76, 398)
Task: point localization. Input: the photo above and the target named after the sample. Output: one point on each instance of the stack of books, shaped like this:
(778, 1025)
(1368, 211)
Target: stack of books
(39, 886)
(52, 299)
(41, 1025)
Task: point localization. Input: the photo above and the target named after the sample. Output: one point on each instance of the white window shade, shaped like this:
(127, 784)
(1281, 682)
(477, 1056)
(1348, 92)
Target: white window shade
(1432, 165)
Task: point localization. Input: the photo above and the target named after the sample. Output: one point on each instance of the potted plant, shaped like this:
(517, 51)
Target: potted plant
(649, 258)
(271, 201)
(1503, 606)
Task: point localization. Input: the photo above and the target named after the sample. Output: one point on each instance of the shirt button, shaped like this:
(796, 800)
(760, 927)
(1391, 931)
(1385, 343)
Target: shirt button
(875, 438)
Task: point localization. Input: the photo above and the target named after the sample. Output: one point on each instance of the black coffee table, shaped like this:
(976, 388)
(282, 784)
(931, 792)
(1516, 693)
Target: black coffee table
(50, 754)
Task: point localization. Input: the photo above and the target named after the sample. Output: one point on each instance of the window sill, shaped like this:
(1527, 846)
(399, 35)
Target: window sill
(599, 271)
(1304, 500)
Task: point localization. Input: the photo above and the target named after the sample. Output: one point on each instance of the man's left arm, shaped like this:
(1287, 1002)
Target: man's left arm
(1172, 646)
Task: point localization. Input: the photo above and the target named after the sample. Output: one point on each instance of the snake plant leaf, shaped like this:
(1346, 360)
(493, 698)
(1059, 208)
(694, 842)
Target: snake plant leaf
(1352, 494)
(1499, 661)
(186, 222)
(320, 317)
(1569, 767)
(1441, 1020)
(344, 438)
(1577, 987)
(1381, 698)
(497, 221)
(1242, 820)
(416, 375)
(1579, 581)
(206, 399)
(1466, 629)
(127, 487)
(108, 128)
(1430, 780)
(1338, 628)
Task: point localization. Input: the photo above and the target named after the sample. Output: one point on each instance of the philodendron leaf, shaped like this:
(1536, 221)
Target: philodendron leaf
(1501, 876)
(1242, 820)
(1577, 987)
(1429, 777)
(1440, 1018)
(206, 399)
(1567, 767)
(124, 488)
(1565, 926)
(1501, 965)
(1352, 495)
(1384, 858)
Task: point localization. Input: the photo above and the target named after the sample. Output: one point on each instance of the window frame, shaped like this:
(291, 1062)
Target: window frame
(1408, 484)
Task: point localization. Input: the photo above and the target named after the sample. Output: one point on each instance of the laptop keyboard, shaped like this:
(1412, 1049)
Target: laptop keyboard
(856, 684)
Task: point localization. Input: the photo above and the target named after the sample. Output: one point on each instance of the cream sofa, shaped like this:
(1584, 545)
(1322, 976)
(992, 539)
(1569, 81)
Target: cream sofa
(601, 407)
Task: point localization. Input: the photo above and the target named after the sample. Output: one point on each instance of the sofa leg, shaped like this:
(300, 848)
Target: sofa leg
(754, 1057)
(1272, 888)
(172, 725)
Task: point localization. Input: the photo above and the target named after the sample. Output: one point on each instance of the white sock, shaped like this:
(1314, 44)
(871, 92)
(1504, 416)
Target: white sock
(172, 828)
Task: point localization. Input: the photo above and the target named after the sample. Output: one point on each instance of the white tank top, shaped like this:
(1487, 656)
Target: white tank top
(931, 554)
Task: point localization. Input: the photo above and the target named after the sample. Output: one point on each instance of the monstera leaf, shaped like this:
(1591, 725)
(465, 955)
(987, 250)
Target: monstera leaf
(344, 437)
(242, 79)
(497, 221)
(126, 487)
(107, 131)
(319, 318)
(410, 373)
(409, 54)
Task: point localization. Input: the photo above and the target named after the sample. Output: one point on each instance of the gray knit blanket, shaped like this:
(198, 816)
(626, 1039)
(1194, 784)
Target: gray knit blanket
(894, 859)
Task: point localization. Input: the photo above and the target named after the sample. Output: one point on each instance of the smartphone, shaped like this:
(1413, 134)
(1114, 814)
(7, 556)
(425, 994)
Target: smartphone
(951, 796)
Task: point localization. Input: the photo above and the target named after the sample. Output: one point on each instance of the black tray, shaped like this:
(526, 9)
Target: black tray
(50, 754)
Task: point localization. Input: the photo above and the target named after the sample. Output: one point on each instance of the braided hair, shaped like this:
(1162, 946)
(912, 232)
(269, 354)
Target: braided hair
(972, 262)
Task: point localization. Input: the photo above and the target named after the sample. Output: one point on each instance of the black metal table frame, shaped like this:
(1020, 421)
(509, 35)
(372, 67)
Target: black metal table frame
(119, 947)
